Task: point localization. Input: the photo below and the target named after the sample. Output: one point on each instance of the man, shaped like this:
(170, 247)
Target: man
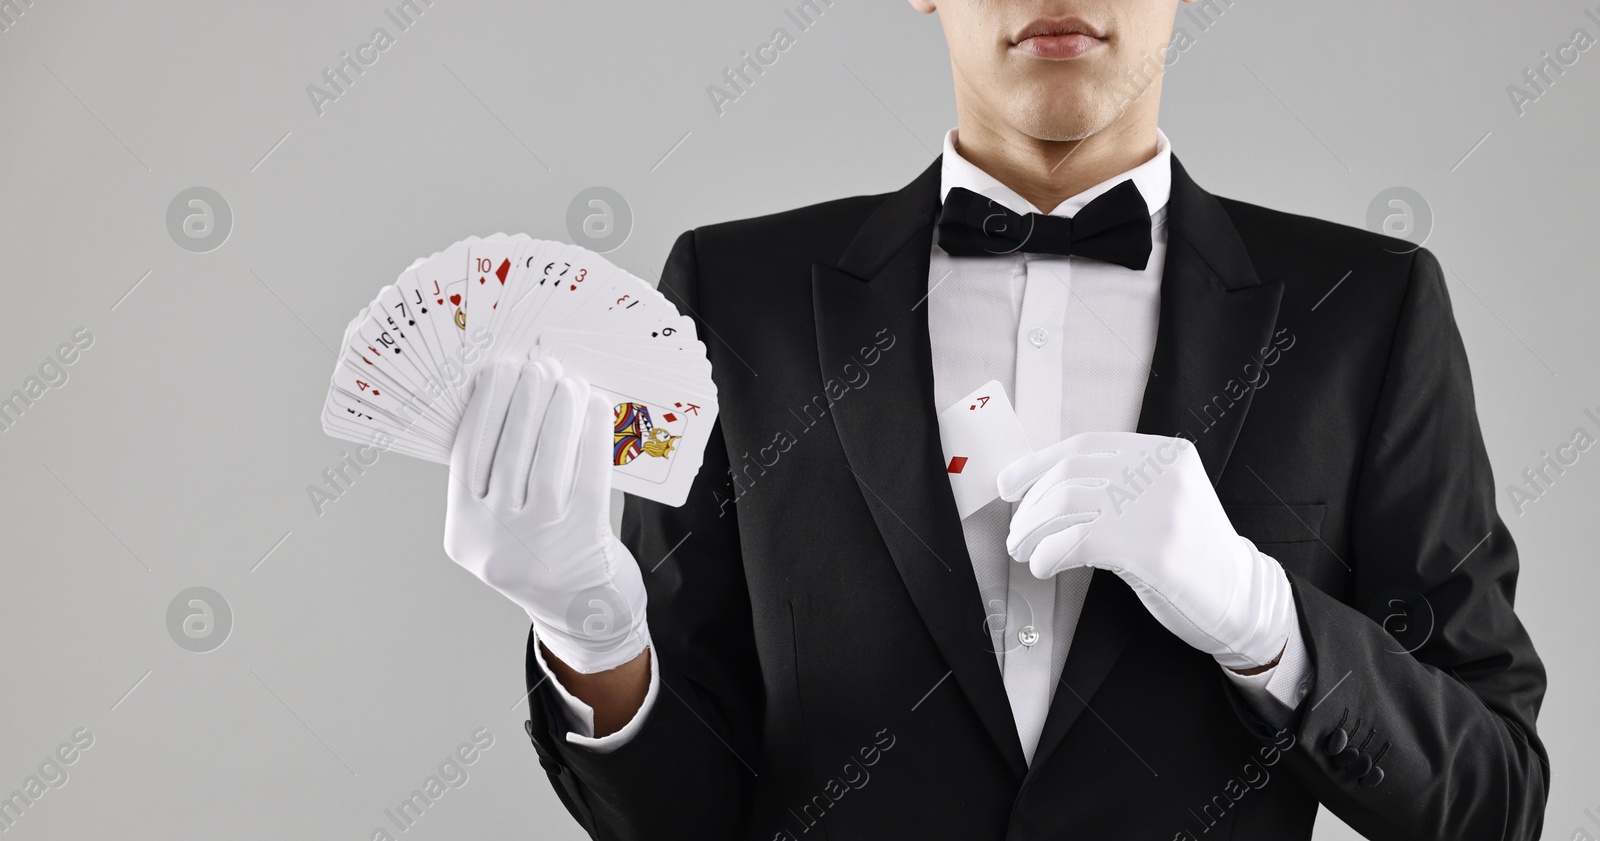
(1253, 563)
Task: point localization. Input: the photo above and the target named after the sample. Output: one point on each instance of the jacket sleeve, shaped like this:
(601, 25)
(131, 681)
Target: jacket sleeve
(1419, 723)
(687, 770)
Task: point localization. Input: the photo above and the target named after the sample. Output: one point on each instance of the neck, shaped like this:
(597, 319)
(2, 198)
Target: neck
(1048, 172)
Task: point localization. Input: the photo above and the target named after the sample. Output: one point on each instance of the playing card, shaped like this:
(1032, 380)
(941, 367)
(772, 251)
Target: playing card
(489, 263)
(665, 353)
(622, 299)
(425, 307)
(408, 359)
(443, 276)
(981, 434)
(659, 428)
(574, 277)
(408, 320)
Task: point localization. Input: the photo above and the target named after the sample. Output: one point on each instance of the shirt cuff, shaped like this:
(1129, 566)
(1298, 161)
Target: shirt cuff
(1276, 693)
(580, 716)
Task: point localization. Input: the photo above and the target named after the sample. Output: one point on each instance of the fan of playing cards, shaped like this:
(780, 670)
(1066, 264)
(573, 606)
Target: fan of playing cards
(408, 360)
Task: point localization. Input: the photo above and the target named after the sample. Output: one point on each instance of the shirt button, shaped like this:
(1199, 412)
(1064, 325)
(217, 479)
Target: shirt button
(1038, 336)
(1028, 635)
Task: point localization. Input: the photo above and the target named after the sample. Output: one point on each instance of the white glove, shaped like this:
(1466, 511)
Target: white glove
(529, 512)
(1141, 506)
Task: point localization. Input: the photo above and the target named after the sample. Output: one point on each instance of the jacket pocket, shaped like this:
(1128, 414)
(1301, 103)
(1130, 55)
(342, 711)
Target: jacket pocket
(1276, 522)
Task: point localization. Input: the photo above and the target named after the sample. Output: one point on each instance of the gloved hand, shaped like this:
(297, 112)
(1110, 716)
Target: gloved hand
(1141, 506)
(528, 512)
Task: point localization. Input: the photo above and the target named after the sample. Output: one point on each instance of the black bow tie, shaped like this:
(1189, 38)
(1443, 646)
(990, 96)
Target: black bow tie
(1114, 227)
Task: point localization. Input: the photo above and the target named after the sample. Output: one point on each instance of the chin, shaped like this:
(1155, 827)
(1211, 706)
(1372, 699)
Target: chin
(1061, 115)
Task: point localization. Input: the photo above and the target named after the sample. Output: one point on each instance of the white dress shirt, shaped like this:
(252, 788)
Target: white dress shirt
(1071, 339)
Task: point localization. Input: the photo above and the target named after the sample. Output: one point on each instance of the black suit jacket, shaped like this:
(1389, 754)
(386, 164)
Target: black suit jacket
(825, 669)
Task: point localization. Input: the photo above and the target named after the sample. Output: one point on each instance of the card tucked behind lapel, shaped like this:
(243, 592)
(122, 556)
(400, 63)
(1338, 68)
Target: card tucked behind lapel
(981, 435)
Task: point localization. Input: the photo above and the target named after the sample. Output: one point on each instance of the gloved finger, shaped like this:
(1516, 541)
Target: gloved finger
(555, 456)
(1018, 477)
(1071, 507)
(1074, 470)
(550, 363)
(508, 480)
(479, 434)
(1057, 553)
(591, 488)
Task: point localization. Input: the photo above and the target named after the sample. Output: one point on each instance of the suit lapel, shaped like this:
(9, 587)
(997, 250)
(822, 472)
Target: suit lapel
(890, 433)
(1215, 317)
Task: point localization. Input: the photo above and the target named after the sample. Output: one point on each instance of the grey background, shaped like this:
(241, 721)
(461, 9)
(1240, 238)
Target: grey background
(180, 450)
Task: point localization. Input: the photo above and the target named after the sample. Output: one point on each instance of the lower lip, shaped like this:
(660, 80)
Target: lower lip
(1059, 46)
